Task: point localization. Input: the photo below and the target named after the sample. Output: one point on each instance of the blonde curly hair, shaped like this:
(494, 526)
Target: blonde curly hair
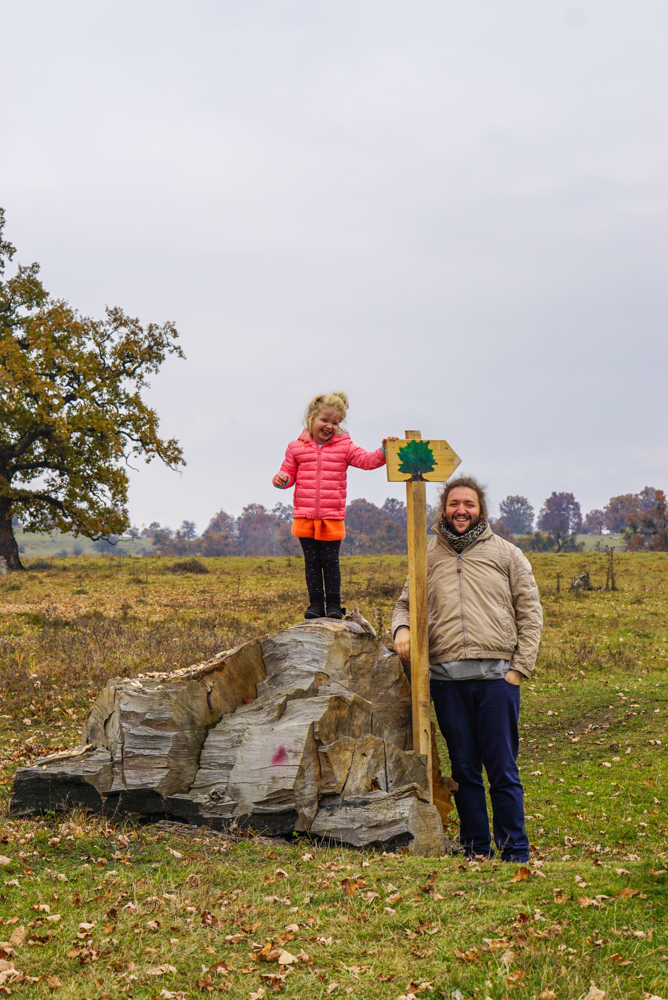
(334, 400)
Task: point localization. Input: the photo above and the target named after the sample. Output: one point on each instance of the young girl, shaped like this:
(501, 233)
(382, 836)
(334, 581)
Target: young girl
(316, 464)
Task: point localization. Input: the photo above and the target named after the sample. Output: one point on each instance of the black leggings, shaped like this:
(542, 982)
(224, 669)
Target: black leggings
(321, 561)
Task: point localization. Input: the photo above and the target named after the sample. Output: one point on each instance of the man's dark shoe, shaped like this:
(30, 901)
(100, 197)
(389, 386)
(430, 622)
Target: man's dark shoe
(315, 611)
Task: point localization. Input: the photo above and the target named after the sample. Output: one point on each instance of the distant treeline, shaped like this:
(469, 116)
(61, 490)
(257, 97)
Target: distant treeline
(641, 518)
(262, 532)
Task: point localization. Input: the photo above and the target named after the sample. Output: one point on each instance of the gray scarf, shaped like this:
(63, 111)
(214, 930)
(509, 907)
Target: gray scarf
(460, 542)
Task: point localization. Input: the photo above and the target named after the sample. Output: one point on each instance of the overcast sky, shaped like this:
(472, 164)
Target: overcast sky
(456, 212)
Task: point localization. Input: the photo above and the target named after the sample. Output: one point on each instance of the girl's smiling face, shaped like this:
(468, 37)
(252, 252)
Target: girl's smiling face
(325, 425)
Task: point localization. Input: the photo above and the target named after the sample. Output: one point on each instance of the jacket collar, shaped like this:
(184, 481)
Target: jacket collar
(305, 436)
(487, 533)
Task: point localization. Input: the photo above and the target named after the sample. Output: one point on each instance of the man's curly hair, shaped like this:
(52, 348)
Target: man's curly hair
(471, 484)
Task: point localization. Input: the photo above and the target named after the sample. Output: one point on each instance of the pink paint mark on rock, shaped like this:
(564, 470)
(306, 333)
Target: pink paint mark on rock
(279, 756)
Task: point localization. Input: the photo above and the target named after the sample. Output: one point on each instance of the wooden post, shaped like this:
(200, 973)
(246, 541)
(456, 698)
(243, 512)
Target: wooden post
(416, 510)
(413, 463)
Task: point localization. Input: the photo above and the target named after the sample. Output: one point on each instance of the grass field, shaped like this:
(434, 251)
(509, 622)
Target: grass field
(92, 909)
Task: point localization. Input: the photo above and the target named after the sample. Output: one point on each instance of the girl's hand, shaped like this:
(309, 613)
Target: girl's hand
(281, 479)
(389, 439)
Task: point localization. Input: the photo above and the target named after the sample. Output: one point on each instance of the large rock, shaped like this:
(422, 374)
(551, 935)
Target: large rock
(307, 729)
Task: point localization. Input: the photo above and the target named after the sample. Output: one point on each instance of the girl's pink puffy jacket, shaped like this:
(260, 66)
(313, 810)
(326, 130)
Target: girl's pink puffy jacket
(319, 474)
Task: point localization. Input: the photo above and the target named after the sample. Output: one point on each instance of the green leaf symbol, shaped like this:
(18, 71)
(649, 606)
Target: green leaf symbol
(416, 458)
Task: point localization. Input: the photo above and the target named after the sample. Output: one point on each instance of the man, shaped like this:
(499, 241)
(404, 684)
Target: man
(485, 621)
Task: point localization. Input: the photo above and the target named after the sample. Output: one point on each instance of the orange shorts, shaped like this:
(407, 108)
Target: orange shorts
(325, 530)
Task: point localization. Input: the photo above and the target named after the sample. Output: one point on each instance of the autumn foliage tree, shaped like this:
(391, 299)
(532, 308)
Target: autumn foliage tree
(219, 537)
(501, 529)
(649, 530)
(593, 522)
(621, 509)
(371, 529)
(71, 411)
(560, 512)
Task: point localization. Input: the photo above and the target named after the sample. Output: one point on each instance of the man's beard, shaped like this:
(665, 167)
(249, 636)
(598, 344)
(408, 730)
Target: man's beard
(451, 525)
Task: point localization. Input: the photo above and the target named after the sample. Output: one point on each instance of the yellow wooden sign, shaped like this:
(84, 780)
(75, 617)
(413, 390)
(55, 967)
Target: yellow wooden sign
(419, 460)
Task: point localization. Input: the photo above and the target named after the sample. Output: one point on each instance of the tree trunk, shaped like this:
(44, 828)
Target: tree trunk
(8, 546)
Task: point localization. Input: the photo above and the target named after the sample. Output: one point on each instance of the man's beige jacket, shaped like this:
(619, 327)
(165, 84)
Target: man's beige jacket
(483, 603)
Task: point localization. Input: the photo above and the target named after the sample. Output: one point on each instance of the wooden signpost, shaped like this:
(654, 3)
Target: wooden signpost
(415, 462)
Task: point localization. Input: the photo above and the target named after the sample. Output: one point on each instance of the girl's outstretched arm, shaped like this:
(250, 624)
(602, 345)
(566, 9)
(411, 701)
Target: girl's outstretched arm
(362, 459)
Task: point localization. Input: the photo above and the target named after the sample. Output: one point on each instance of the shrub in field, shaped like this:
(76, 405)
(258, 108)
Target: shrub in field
(45, 566)
(188, 566)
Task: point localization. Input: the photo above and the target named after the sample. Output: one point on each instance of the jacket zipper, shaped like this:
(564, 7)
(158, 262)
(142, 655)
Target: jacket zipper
(460, 572)
(317, 480)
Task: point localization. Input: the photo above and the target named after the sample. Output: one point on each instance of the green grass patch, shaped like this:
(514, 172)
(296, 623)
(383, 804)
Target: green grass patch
(112, 909)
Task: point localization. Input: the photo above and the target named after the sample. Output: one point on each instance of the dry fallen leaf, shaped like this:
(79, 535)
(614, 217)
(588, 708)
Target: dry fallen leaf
(521, 874)
(160, 970)
(619, 959)
(18, 937)
(285, 958)
(267, 953)
(350, 886)
(53, 982)
(275, 980)
(595, 994)
(467, 956)
(4, 860)
(221, 967)
(547, 995)
(207, 984)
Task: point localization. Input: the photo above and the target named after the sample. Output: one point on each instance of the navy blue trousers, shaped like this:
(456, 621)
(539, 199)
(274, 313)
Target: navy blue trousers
(479, 720)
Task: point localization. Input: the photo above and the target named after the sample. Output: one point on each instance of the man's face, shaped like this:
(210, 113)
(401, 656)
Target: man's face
(462, 509)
